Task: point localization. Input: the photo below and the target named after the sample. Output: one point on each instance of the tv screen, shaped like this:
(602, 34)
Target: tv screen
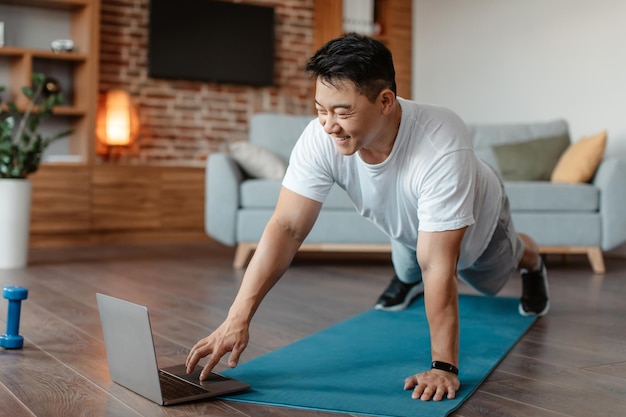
(214, 41)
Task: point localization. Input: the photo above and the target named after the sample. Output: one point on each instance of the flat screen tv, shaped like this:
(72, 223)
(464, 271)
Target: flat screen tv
(213, 41)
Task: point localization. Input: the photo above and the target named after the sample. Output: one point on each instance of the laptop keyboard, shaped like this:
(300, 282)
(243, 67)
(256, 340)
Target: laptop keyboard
(173, 388)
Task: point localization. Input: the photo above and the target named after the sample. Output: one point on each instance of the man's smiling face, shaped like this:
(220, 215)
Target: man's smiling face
(349, 117)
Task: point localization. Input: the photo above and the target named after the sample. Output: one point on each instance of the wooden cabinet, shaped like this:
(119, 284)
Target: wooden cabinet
(61, 200)
(128, 197)
(78, 204)
(395, 20)
(29, 28)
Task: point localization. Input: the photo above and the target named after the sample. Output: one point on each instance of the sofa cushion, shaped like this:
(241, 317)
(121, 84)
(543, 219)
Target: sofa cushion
(560, 229)
(258, 161)
(331, 227)
(484, 136)
(277, 132)
(580, 161)
(531, 160)
(544, 196)
(259, 193)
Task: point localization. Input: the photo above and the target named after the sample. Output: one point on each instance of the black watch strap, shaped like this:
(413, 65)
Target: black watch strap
(445, 366)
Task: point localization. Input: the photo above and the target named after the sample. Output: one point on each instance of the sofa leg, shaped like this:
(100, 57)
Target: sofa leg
(594, 254)
(243, 254)
(596, 260)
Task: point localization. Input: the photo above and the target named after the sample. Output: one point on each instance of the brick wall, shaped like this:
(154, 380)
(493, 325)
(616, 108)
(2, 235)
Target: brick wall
(181, 121)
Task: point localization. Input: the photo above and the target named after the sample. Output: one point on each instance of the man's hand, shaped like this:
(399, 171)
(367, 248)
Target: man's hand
(229, 337)
(433, 384)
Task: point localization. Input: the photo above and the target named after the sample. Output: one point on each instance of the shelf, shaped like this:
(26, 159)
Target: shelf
(63, 161)
(58, 110)
(49, 4)
(42, 53)
(68, 111)
(11, 51)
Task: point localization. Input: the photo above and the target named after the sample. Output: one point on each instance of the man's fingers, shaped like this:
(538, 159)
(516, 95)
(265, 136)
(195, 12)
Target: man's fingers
(410, 382)
(194, 357)
(427, 386)
(441, 391)
(198, 351)
(213, 360)
(425, 394)
(216, 355)
(233, 358)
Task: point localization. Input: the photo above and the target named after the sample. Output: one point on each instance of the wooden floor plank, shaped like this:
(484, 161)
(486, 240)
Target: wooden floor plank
(50, 388)
(564, 376)
(556, 398)
(11, 405)
(483, 404)
(613, 369)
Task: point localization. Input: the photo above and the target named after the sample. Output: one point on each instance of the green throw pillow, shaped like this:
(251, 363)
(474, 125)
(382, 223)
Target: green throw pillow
(532, 160)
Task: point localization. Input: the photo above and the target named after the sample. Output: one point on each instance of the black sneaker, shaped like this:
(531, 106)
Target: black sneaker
(535, 295)
(399, 295)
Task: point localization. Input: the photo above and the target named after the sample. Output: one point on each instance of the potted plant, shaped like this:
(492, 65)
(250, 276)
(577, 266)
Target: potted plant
(21, 150)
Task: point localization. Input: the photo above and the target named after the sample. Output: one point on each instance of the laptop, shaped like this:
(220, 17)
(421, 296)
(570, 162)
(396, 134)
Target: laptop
(132, 359)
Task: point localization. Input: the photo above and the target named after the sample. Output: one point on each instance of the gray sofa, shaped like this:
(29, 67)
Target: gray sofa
(583, 218)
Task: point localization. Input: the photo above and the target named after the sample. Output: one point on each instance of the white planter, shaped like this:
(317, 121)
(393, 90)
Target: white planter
(15, 195)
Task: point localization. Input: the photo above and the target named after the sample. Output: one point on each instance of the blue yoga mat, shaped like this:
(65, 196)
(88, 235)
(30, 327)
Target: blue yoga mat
(359, 365)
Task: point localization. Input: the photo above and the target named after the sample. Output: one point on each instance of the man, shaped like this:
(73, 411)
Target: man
(410, 169)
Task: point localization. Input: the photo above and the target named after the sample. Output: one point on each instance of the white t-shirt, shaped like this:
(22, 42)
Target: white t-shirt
(432, 180)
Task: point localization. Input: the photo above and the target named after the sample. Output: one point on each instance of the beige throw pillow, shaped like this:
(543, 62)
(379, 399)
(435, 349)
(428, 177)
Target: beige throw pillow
(579, 162)
(257, 161)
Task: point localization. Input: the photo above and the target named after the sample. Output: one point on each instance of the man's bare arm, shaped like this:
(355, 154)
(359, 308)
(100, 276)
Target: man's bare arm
(291, 222)
(438, 254)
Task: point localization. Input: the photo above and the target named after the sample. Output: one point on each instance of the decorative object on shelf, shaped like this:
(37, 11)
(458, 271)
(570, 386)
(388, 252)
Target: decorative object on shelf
(1, 34)
(358, 16)
(50, 87)
(21, 149)
(117, 122)
(62, 45)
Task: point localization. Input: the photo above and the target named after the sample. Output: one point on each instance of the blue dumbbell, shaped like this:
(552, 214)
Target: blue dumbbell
(11, 339)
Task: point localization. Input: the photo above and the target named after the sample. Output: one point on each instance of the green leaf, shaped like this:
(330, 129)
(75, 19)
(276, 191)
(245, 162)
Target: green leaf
(28, 92)
(38, 78)
(13, 108)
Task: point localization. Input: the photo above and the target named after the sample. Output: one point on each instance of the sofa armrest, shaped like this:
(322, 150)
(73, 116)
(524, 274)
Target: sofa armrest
(222, 197)
(610, 179)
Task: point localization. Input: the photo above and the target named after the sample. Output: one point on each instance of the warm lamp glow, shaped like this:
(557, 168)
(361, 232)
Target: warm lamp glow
(117, 122)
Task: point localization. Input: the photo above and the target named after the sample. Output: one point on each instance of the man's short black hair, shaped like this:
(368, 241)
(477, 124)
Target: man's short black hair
(365, 61)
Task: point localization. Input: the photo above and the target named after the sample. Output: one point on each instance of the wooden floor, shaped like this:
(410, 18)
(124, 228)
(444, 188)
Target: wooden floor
(571, 363)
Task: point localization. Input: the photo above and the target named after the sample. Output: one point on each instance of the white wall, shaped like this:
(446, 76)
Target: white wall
(525, 60)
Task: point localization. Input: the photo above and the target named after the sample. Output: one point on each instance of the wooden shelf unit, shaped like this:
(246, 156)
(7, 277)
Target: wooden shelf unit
(78, 69)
